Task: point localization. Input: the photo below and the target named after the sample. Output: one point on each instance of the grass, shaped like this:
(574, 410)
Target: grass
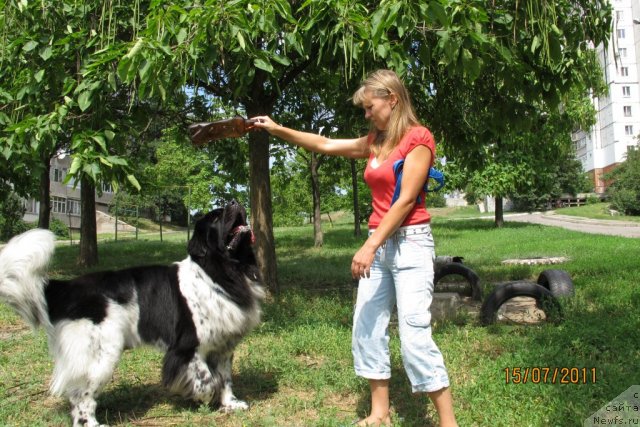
(596, 211)
(296, 368)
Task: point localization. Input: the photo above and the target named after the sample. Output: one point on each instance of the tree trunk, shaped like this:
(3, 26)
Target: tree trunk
(44, 212)
(499, 215)
(356, 202)
(88, 231)
(261, 209)
(315, 190)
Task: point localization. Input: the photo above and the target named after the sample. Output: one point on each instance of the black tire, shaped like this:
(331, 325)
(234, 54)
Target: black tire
(558, 282)
(454, 268)
(502, 293)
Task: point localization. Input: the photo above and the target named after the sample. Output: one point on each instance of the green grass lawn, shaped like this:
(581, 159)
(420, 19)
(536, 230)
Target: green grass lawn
(596, 211)
(296, 368)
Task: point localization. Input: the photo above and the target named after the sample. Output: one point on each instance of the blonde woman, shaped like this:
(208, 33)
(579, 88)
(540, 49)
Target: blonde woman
(395, 264)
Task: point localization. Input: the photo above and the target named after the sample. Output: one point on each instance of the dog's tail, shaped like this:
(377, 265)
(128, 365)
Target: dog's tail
(23, 265)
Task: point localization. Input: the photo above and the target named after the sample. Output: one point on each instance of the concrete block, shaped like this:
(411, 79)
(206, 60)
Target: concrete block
(445, 305)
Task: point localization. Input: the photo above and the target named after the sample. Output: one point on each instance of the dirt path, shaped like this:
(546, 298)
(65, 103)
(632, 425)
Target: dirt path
(585, 225)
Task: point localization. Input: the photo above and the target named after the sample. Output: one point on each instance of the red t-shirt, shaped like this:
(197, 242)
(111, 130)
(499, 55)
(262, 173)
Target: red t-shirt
(382, 181)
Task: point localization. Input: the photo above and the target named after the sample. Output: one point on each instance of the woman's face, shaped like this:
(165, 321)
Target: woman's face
(378, 110)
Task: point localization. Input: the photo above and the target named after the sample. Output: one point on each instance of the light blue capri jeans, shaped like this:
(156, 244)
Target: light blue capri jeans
(401, 274)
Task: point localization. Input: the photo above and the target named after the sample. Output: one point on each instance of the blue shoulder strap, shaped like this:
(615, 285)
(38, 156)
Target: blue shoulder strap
(434, 174)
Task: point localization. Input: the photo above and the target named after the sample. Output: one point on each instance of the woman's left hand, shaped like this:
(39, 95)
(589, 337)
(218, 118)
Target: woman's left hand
(361, 263)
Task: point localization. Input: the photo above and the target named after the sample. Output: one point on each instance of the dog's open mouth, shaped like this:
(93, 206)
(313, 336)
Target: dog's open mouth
(240, 230)
(237, 235)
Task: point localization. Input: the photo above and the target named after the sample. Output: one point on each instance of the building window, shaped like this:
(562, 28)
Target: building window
(73, 207)
(58, 174)
(624, 71)
(619, 15)
(628, 130)
(58, 204)
(627, 110)
(32, 206)
(626, 91)
(620, 33)
(622, 52)
(107, 188)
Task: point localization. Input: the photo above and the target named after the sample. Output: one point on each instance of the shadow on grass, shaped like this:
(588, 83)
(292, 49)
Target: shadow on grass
(126, 404)
(411, 409)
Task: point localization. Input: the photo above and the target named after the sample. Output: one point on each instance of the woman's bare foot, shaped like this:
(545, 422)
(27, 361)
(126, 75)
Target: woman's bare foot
(374, 421)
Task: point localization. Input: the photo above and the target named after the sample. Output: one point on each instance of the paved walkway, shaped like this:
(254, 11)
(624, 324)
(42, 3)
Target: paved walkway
(585, 225)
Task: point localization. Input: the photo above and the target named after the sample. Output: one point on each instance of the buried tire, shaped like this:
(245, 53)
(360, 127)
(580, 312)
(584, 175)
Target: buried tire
(474, 290)
(558, 282)
(545, 301)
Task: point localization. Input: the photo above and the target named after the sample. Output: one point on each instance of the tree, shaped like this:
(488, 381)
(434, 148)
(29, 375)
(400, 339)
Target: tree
(247, 53)
(58, 73)
(317, 104)
(624, 191)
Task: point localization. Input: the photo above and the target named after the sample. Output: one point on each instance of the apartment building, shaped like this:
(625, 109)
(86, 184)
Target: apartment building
(603, 147)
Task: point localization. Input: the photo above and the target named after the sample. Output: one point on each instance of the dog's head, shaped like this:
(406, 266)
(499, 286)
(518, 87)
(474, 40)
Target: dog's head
(224, 232)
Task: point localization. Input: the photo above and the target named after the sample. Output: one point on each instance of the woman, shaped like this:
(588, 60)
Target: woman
(395, 264)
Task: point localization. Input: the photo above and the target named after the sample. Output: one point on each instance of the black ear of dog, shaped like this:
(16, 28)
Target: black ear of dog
(198, 247)
(205, 237)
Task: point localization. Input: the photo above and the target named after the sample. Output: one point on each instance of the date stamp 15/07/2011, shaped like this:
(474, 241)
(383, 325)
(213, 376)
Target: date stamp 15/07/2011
(550, 375)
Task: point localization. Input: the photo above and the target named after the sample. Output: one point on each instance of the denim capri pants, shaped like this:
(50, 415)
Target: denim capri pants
(402, 275)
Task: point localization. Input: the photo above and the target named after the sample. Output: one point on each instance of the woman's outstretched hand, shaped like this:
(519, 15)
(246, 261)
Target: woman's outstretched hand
(265, 122)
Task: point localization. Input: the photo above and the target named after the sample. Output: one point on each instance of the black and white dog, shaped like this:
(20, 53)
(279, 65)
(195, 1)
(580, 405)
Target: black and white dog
(196, 310)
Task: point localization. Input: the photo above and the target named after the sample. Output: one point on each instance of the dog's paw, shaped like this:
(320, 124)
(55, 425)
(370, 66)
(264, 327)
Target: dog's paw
(233, 405)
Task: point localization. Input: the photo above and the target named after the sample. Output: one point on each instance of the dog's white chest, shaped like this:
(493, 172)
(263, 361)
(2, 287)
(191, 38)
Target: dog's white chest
(215, 316)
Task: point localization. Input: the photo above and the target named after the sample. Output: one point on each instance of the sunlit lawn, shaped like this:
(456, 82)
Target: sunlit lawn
(296, 368)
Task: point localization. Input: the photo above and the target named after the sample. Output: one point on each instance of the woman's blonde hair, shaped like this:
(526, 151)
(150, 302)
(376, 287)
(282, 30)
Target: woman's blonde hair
(381, 84)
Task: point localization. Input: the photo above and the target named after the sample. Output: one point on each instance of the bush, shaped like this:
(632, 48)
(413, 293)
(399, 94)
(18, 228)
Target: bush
(11, 212)
(592, 199)
(436, 200)
(59, 228)
(624, 192)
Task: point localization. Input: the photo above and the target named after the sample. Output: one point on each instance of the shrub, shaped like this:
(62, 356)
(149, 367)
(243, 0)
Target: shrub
(59, 228)
(436, 200)
(592, 199)
(11, 212)
(624, 192)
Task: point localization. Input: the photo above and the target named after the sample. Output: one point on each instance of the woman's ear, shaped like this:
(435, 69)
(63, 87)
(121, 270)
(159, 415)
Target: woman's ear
(393, 100)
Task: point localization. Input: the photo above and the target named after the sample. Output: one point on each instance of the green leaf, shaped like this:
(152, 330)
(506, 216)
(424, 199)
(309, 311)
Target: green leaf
(75, 165)
(144, 70)
(123, 69)
(116, 160)
(84, 100)
(241, 41)
(263, 65)
(555, 49)
(111, 79)
(46, 52)
(281, 59)
(132, 179)
(438, 11)
(181, 36)
(101, 142)
(38, 76)
(535, 44)
(29, 46)
(382, 50)
(376, 24)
